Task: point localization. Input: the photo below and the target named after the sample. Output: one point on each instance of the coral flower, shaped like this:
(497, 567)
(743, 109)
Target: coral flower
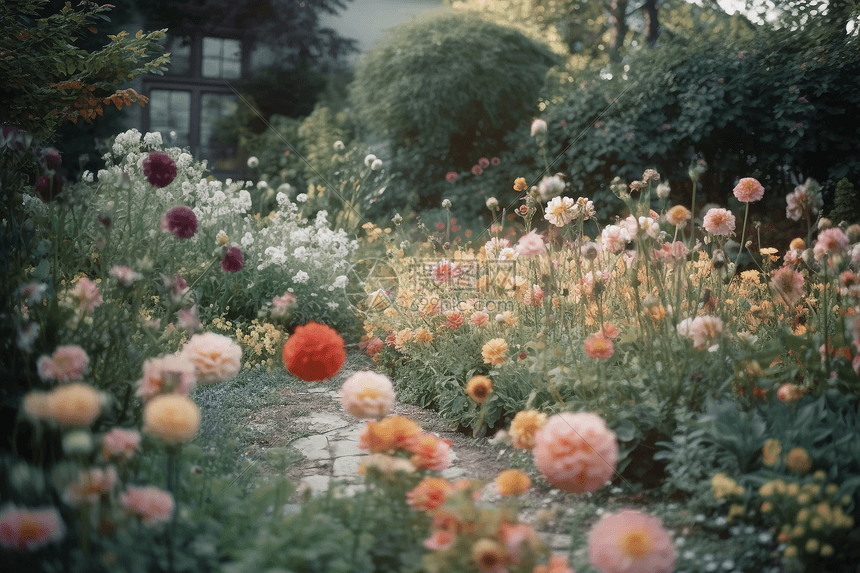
(798, 460)
(719, 222)
(523, 428)
(440, 540)
(65, 364)
(165, 374)
(373, 346)
(557, 564)
(74, 405)
(832, 242)
(479, 388)
(173, 418)
(678, 216)
(489, 556)
(392, 433)
(631, 542)
(151, 504)
(789, 393)
(429, 494)
(181, 221)
(119, 444)
(159, 169)
(576, 452)
(232, 261)
(367, 395)
(216, 358)
(314, 352)
(495, 351)
(787, 283)
(748, 190)
(29, 529)
(599, 346)
(430, 453)
(513, 482)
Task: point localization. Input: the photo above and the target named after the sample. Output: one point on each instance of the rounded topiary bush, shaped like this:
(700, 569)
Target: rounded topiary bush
(439, 90)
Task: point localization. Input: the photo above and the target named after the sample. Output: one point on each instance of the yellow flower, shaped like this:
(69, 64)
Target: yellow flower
(513, 482)
(767, 489)
(798, 460)
(495, 351)
(802, 515)
(523, 428)
(76, 405)
(790, 551)
(826, 550)
(724, 486)
(771, 451)
(735, 510)
(479, 388)
(173, 418)
(812, 546)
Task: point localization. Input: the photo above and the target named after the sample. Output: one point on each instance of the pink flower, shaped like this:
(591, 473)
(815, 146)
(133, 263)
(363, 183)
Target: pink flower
(789, 393)
(215, 357)
(87, 294)
(705, 331)
(831, 242)
(804, 200)
(630, 542)
(515, 537)
(430, 453)
(538, 126)
(719, 222)
(159, 169)
(440, 540)
(232, 261)
(282, 305)
(151, 504)
(178, 287)
(120, 445)
(29, 529)
(787, 283)
(531, 245)
(484, 162)
(187, 319)
(367, 395)
(455, 319)
(166, 374)
(477, 170)
(479, 318)
(181, 221)
(614, 238)
(748, 190)
(67, 363)
(576, 452)
(599, 346)
(126, 276)
(495, 161)
(451, 176)
(90, 486)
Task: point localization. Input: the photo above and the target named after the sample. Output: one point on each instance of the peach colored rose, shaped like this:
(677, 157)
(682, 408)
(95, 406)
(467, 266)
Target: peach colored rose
(495, 351)
(512, 482)
(65, 364)
(367, 395)
(166, 374)
(215, 357)
(429, 494)
(576, 452)
(151, 504)
(719, 222)
(74, 405)
(631, 542)
(119, 444)
(479, 318)
(391, 433)
(748, 190)
(173, 418)
(29, 529)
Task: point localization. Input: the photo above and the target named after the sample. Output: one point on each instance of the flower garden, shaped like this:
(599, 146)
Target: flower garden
(692, 398)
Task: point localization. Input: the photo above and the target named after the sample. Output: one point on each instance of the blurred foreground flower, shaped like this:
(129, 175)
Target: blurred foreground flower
(314, 352)
(66, 363)
(29, 529)
(216, 358)
(367, 395)
(576, 452)
(173, 418)
(479, 388)
(631, 542)
(151, 504)
(159, 169)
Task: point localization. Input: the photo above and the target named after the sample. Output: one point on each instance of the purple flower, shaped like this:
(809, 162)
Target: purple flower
(181, 221)
(159, 169)
(48, 187)
(232, 261)
(53, 159)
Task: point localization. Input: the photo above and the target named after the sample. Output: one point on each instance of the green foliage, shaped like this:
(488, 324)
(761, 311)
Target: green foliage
(444, 90)
(846, 205)
(49, 80)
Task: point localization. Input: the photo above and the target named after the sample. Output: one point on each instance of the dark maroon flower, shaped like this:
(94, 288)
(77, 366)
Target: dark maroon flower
(53, 159)
(48, 187)
(232, 261)
(181, 221)
(159, 168)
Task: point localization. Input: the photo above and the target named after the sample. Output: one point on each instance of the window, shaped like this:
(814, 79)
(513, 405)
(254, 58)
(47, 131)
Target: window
(170, 113)
(215, 107)
(222, 58)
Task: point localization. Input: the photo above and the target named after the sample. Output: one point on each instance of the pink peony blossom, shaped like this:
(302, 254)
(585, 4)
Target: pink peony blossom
(181, 221)
(719, 222)
(367, 395)
(67, 363)
(232, 261)
(748, 190)
(216, 358)
(87, 294)
(787, 283)
(91, 486)
(576, 452)
(151, 504)
(832, 242)
(120, 445)
(29, 529)
(631, 542)
(166, 374)
(159, 169)
(531, 245)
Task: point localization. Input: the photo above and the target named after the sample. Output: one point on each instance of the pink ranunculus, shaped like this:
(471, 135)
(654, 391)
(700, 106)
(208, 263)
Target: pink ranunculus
(120, 445)
(832, 242)
(179, 220)
(367, 395)
(576, 452)
(232, 261)
(440, 540)
(719, 222)
(166, 374)
(91, 486)
(631, 542)
(87, 294)
(479, 318)
(29, 529)
(531, 245)
(455, 319)
(65, 364)
(151, 504)
(748, 190)
(159, 169)
(787, 283)
(216, 358)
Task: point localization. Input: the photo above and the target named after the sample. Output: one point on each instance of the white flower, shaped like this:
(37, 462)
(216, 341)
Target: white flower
(446, 203)
(253, 162)
(247, 239)
(333, 305)
(339, 146)
(561, 211)
(301, 277)
(341, 281)
(301, 197)
(284, 188)
(508, 254)
(376, 165)
(492, 203)
(262, 184)
(538, 126)
(370, 158)
(663, 190)
(153, 139)
(549, 187)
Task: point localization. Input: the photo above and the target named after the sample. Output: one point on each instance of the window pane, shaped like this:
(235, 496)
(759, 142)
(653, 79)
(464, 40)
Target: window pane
(222, 58)
(180, 56)
(213, 108)
(170, 114)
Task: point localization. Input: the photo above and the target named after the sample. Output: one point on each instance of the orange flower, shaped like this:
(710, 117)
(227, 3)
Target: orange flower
(495, 351)
(678, 216)
(430, 453)
(557, 564)
(599, 346)
(797, 243)
(314, 352)
(798, 461)
(392, 433)
(489, 556)
(513, 482)
(520, 184)
(75, 405)
(173, 418)
(429, 494)
(479, 388)
(523, 428)
(771, 451)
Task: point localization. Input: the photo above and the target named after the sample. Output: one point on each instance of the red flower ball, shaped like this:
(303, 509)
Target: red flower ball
(314, 352)
(181, 221)
(232, 261)
(159, 169)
